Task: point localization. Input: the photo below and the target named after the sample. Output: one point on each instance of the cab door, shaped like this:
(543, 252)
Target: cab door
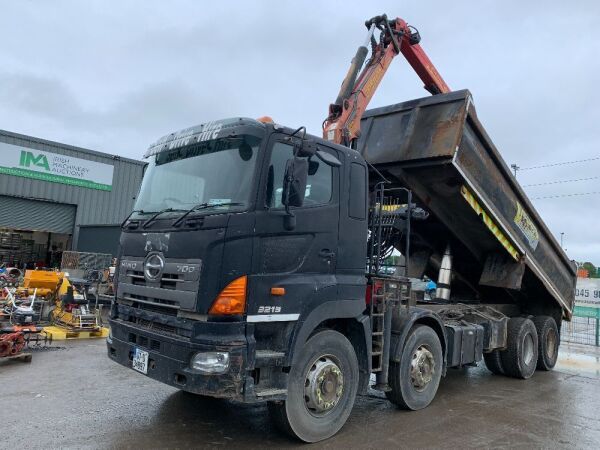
(302, 260)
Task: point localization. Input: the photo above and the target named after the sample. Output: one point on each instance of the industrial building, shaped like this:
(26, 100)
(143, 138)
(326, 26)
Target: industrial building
(56, 197)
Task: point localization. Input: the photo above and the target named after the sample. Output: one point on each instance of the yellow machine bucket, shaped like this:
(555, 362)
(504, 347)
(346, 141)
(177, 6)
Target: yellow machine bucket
(45, 282)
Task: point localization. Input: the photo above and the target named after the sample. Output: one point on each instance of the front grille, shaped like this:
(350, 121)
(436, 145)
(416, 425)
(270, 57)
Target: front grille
(155, 323)
(143, 341)
(176, 288)
(154, 308)
(153, 326)
(154, 300)
(167, 281)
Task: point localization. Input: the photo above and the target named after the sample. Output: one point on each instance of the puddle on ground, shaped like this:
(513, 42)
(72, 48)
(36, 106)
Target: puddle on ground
(579, 361)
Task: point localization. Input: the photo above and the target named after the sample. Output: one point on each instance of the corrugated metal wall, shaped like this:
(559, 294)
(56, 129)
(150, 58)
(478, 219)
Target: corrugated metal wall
(35, 215)
(94, 207)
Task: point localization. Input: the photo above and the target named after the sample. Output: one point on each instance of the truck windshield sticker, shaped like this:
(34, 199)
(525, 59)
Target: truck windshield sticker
(526, 225)
(489, 223)
(205, 132)
(218, 201)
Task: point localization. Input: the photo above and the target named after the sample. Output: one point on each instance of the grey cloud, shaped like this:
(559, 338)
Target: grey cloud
(38, 95)
(114, 76)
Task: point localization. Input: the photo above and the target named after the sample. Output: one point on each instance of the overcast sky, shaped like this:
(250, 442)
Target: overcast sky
(114, 76)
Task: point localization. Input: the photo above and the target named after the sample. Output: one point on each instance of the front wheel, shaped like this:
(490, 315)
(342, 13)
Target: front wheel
(415, 379)
(322, 388)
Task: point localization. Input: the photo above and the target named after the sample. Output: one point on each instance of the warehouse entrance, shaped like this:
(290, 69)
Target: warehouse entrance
(34, 233)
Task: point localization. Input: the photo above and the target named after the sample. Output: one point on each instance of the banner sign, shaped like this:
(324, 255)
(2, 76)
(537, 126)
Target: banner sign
(587, 292)
(55, 168)
(525, 224)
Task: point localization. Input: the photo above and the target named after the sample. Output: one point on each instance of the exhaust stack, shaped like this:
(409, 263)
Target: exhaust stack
(443, 284)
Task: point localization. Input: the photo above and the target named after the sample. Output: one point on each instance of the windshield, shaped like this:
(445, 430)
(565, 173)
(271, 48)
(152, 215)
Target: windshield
(210, 172)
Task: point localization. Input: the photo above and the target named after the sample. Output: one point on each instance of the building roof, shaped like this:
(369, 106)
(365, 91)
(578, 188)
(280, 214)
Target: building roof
(61, 146)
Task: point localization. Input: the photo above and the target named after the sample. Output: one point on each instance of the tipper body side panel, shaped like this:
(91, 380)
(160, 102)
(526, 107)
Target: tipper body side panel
(437, 147)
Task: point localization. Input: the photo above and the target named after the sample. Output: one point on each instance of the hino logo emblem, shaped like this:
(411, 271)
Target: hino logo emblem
(153, 266)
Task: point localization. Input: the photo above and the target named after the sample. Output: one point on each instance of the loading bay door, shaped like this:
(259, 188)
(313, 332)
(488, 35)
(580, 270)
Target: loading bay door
(25, 214)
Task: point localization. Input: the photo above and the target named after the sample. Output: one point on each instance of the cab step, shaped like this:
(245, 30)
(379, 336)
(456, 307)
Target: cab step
(268, 358)
(271, 392)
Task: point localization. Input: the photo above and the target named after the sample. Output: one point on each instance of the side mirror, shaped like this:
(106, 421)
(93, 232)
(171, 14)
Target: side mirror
(294, 182)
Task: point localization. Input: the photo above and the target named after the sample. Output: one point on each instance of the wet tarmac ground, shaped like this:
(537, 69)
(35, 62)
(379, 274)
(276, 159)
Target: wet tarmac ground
(77, 398)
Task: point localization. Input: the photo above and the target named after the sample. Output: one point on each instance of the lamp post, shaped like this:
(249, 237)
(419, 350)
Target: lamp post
(514, 167)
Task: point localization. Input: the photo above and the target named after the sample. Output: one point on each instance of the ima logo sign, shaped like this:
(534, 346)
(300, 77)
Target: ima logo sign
(28, 159)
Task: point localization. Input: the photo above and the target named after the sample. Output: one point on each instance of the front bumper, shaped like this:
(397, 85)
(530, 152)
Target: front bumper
(169, 358)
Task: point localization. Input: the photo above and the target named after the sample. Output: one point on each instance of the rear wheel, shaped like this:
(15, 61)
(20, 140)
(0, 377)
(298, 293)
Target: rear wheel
(321, 389)
(548, 342)
(519, 360)
(415, 379)
(493, 362)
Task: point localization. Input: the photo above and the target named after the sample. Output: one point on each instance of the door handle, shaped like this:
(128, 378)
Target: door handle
(326, 253)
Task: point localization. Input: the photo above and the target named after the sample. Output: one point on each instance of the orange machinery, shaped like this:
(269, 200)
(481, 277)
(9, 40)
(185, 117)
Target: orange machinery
(342, 125)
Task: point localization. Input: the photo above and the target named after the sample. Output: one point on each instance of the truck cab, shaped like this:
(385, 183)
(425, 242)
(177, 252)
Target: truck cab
(220, 283)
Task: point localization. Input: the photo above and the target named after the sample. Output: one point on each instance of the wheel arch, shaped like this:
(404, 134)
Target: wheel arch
(403, 323)
(345, 317)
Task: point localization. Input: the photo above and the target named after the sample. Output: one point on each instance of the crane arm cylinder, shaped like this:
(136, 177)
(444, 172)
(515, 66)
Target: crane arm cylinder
(355, 66)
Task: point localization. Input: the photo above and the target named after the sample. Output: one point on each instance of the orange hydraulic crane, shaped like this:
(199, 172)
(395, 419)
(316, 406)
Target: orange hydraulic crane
(342, 125)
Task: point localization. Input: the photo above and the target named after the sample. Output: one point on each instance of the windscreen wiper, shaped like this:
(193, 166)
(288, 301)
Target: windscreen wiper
(154, 217)
(141, 211)
(201, 206)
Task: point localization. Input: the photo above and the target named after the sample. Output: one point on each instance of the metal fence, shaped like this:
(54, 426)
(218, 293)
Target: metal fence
(584, 327)
(83, 261)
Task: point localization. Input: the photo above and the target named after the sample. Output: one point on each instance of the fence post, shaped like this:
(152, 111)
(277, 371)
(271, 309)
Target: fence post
(597, 327)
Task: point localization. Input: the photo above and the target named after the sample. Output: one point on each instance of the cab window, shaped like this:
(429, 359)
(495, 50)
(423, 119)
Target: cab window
(319, 182)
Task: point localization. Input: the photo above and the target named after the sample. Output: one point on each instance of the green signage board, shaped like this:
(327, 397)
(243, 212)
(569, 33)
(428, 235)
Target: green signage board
(55, 168)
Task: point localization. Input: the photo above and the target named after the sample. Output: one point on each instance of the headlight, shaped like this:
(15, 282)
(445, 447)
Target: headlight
(210, 362)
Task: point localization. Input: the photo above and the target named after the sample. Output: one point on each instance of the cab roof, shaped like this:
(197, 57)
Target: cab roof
(203, 132)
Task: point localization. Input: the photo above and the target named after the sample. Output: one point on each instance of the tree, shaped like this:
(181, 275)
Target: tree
(591, 269)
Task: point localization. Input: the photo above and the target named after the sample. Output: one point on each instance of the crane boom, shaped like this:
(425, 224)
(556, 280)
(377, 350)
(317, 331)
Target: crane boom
(342, 125)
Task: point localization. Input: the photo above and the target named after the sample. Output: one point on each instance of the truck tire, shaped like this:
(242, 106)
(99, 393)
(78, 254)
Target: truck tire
(548, 342)
(415, 379)
(493, 361)
(519, 360)
(322, 388)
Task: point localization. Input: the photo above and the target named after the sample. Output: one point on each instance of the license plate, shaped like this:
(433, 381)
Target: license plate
(140, 360)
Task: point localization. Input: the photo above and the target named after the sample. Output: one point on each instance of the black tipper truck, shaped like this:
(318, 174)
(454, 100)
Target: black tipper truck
(251, 268)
